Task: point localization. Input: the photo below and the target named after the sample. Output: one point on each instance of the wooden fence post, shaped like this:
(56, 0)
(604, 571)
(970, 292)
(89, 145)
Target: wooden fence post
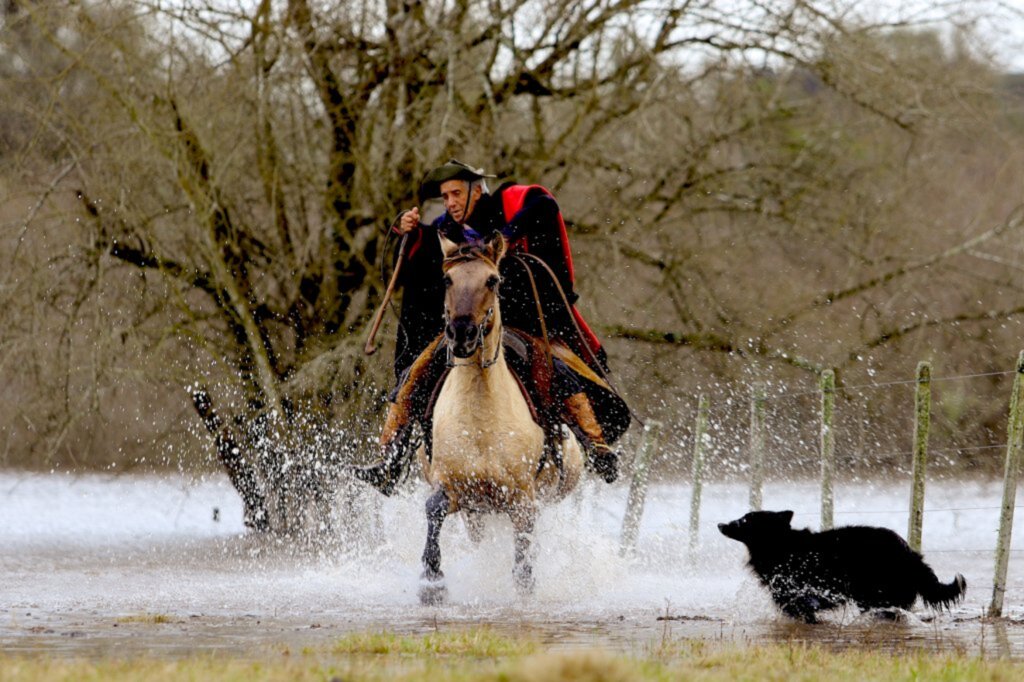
(698, 468)
(828, 446)
(638, 487)
(1014, 448)
(757, 407)
(922, 421)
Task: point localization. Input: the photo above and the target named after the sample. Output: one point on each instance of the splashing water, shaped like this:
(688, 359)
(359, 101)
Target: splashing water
(81, 557)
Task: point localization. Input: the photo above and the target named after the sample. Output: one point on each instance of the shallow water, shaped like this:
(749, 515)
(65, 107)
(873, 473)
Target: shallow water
(98, 565)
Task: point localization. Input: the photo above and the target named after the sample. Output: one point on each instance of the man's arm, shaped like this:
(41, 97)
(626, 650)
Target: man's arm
(407, 221)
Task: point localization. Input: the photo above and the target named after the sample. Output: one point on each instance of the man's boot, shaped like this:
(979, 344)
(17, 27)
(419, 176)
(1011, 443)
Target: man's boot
(395, 452)
(410, 404)
(602, 459)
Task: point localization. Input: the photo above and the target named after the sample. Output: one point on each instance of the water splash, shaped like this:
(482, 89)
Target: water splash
(90, 549)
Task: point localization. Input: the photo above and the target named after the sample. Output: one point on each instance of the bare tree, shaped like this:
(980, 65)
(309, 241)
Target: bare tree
(226, 173)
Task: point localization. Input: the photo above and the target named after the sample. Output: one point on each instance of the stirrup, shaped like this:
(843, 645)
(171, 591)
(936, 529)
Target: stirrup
(605, 462)
(381, 476)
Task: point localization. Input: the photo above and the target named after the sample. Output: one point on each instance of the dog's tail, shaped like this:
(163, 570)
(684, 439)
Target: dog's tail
(940, 595)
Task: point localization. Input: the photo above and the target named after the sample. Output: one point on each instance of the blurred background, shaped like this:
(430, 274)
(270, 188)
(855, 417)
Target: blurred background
(194, 199)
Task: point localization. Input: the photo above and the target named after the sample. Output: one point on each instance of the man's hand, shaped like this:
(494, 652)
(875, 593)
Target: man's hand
(408, 222)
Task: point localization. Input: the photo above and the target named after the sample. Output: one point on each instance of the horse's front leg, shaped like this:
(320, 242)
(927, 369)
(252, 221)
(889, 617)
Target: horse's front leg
(523, 518)
(432, 588)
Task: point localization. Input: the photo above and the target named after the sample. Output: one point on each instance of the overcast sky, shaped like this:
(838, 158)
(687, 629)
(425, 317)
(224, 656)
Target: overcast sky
(1001, 29)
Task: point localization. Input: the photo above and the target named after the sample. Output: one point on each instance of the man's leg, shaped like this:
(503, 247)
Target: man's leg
(560, 398)
(603, 460)
(578, 414)
(408, 406)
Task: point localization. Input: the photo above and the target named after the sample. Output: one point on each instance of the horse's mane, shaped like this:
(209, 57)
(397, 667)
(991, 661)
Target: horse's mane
(468, 252)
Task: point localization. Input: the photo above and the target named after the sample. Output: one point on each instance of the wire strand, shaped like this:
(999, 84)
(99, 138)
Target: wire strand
(785, 395)
(900, 453)
(905, 511)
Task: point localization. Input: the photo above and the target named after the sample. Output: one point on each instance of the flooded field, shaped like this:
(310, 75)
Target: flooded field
(99, 565)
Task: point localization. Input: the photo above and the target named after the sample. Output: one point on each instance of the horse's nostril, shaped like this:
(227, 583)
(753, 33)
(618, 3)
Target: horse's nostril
(471, 332)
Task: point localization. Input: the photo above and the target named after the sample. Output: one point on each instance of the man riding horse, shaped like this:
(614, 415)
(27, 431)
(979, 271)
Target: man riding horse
(553, 353)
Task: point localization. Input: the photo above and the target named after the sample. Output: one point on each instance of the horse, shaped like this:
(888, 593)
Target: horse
(488, 453)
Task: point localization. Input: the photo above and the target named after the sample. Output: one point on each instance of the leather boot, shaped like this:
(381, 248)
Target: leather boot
(395, 453)
(601, 458)
(409, 405)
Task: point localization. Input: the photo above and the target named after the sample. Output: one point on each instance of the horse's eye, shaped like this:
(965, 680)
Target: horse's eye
(447, 281)
(492, 282)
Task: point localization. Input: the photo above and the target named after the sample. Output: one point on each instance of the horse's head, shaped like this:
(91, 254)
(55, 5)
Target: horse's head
(471, 293)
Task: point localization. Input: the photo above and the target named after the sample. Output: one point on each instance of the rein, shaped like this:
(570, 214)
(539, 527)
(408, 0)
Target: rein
(470, 252)
(540, 311)
(521, 258)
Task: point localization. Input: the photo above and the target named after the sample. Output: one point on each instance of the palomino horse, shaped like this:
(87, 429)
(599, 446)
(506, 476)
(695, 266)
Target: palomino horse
(488, 452)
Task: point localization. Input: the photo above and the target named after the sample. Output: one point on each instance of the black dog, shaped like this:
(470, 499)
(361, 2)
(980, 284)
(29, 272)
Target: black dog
(807, 572)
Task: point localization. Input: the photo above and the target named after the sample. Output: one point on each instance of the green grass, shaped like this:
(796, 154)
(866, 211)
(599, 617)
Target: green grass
(476, 642)
(482, 654)
(155, 618)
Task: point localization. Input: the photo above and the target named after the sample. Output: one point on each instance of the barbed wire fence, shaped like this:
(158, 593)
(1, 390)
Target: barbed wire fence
(764, 426)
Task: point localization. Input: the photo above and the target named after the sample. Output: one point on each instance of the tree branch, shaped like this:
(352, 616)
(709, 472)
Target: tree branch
(1015, 220)
(707, 341)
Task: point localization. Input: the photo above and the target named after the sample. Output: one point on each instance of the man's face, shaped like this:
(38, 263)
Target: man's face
(458, 199)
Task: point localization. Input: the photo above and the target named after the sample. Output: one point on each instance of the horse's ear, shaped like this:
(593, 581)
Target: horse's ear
(496, 246)
(448, 247)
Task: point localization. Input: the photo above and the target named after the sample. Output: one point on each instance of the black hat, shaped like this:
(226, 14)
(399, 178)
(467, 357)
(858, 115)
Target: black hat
(453, 170)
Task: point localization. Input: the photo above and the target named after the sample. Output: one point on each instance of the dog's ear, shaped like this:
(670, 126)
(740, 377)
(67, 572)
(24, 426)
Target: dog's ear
(786, 517)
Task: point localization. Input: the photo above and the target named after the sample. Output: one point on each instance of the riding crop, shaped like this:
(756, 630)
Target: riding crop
(371, 347)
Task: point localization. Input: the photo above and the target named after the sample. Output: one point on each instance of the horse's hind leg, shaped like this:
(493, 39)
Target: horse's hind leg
(432, 588)
(523, 518)
(474, 525)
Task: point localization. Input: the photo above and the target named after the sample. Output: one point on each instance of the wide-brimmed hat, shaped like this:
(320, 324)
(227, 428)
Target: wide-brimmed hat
(453, 170)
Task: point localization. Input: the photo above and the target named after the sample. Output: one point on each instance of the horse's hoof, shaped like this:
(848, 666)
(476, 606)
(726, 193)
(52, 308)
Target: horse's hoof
(433, 591)
(605, 463)
(433, 594)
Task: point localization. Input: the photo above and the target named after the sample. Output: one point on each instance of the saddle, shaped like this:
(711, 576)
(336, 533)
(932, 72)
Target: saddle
(533, 365)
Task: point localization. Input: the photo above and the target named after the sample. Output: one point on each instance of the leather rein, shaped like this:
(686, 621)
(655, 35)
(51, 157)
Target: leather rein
(469, 252)
(521, 258)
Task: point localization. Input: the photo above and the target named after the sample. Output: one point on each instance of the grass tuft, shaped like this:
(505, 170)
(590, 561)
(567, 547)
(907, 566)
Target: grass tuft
(576, 666)
(145, 618)
(480, 642)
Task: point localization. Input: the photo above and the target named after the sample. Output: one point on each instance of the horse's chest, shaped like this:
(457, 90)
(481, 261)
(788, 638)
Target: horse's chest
(481, 424)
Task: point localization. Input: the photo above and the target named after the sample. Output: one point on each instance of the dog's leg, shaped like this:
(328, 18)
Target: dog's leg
(893, 615)
(802, 607)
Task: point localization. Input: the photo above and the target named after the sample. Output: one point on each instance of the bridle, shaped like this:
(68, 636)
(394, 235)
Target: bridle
(483, 332)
